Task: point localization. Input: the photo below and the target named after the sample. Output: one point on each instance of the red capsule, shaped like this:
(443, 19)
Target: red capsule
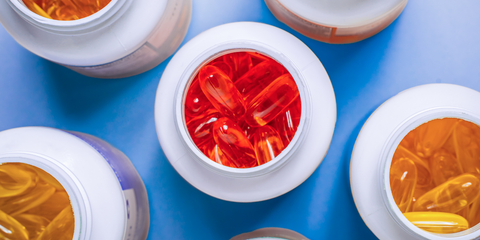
(224, 67)
(271, 101)
(268, 144)
(233, 142)
(287, 121)
(219, 157)
(200, 127)
(258, 78)
(220, 91)
(257, 58)
(195, 102)
(240, 62)
(248, 130)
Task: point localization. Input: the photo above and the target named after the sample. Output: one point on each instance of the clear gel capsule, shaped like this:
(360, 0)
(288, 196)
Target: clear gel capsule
(403, 180)
(267, 143)
(438, 222)
(432, 135)
(452, 196)
(444, 166)
(11, 228)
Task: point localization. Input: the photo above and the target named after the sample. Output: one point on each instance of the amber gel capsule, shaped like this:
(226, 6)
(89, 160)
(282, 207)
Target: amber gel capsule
(268, 144)
(438, 222)
(14, 180)
(431, 136)
(467, 147)
(11, 228)
(65, 9)
(452, 196)
(403, 179)
(220, 91)
(444, 166)
(423, 179)
(22, 203)
(233, 143)
(34, 224)
(271, 101)
(61, 228)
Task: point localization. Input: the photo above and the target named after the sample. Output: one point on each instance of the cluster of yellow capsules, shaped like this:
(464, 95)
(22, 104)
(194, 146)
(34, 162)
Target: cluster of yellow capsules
(434, 175)
(33, 205)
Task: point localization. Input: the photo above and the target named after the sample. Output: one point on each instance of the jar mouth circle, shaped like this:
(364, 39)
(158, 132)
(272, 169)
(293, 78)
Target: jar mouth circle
(56, 171)
(184, 85)
(386, 158)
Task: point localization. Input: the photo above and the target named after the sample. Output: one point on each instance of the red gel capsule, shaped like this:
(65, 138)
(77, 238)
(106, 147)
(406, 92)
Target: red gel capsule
(220, 91)
(248, 130)
(268, 144)
(195, 102)
(257, 58)
(233, 143)
(258, 78)
(287, 121)
(224, 67)
(240, 62)
(219, 157)
(271, 101)
(200, 127)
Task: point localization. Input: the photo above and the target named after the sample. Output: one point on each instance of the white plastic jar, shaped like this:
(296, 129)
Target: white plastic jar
(108, 197)
(337, 21)
(296, 162)
(377, 142)
(270, 234)
(123, 39)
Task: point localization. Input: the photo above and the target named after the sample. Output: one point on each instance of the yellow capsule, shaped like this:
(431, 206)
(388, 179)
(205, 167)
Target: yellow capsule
(19, 204)
(423, 172)
(432, 135)
(11, 228)
(403, 178)
(53, 206)
(467, 147)
(61, 228)
(14, 180)
(451, 196)
(444, 166)
(34, 224)
(438, 222)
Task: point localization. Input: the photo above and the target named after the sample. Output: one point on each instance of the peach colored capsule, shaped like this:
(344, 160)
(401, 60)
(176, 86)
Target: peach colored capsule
(220, 91)
(267, 143)
(403, 180)
(271, 101)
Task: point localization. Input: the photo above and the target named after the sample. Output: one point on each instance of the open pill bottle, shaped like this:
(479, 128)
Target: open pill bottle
(304, 152)
(337, 21)
(122, 39)
(270, 234)
(107, 196)
(430, 128)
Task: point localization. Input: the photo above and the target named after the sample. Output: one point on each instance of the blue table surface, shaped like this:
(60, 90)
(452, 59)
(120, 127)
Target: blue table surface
(431, 42)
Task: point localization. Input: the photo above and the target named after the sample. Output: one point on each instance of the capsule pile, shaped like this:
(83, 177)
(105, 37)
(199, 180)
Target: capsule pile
(65, 9)
(33, 205)
(242, 109)
(434, 176)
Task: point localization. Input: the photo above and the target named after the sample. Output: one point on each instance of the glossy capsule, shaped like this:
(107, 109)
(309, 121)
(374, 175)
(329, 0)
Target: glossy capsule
(248, 130)
(271, 101)
(65, 9)
(61, 228)
(408, 141)
(233, 143)
(473, 215)
(219, 157)
(22, 203)
(225, 68)
(240, 62)
(195, 101)
(424, 178)
(15, 180)
(438, 222)
(267, 143)
(220, 91)
(257, 58)
(452, 196)
(52, 207)
(403, 180)
(287, 121)
(432, 135)
(258, 78)
(444, 166)
(34, 224)
(467, 147)
(200, 127)
(11, 228)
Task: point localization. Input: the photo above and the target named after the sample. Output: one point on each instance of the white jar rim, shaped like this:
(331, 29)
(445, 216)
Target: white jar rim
(279, 175)
(377, 142)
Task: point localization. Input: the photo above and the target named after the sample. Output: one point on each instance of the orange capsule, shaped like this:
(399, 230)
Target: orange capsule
(195, 101)
(271, 101)
(233, 143)
(287, 121)
(432, 135)
(408, 140)
(267, 143)
(66, 9)
(473, 215)
(467, 147)
(240, 62)
(19, 204)
(403, 180)
(34, 224)
(452, 196)
(220, 91)
(258, 78)
(443, 167)
(200, 127)
(224, 67)
(52, 207)
(15, 180)
(11, 228)
(61, 228)
(417, 193)
(219, 157)
(423, 178)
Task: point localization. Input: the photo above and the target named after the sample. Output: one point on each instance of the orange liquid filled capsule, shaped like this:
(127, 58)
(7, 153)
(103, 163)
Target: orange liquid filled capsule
(444, 166)
(452, 196)
(473, 215)
(34, 224)
(271, 101)
(65, 9)
(61, 228)
(240, 62)
(438, 222)
(20, 204)
(267, 143)
(200, 127)
(11, 228)
(52, 207)
(220, 91)
(287, 121)
(467, 147)
(424, 179)
(14, 180)
(233, 143)
(403, 180)
(431, 136)
(195, 101)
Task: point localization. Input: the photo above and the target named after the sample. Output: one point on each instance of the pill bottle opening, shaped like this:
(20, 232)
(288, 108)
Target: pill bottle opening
(432, 174)
(38, 202)
(262, 145)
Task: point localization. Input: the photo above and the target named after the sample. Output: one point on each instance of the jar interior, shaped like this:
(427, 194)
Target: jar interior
(65, 10)
(33, 204)
(435, 176)
(241, 108)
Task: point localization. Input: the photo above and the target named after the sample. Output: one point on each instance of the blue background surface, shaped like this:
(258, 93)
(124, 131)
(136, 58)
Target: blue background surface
(432, 41)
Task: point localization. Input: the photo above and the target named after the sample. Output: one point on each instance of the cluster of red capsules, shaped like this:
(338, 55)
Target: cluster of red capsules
(242, 109)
